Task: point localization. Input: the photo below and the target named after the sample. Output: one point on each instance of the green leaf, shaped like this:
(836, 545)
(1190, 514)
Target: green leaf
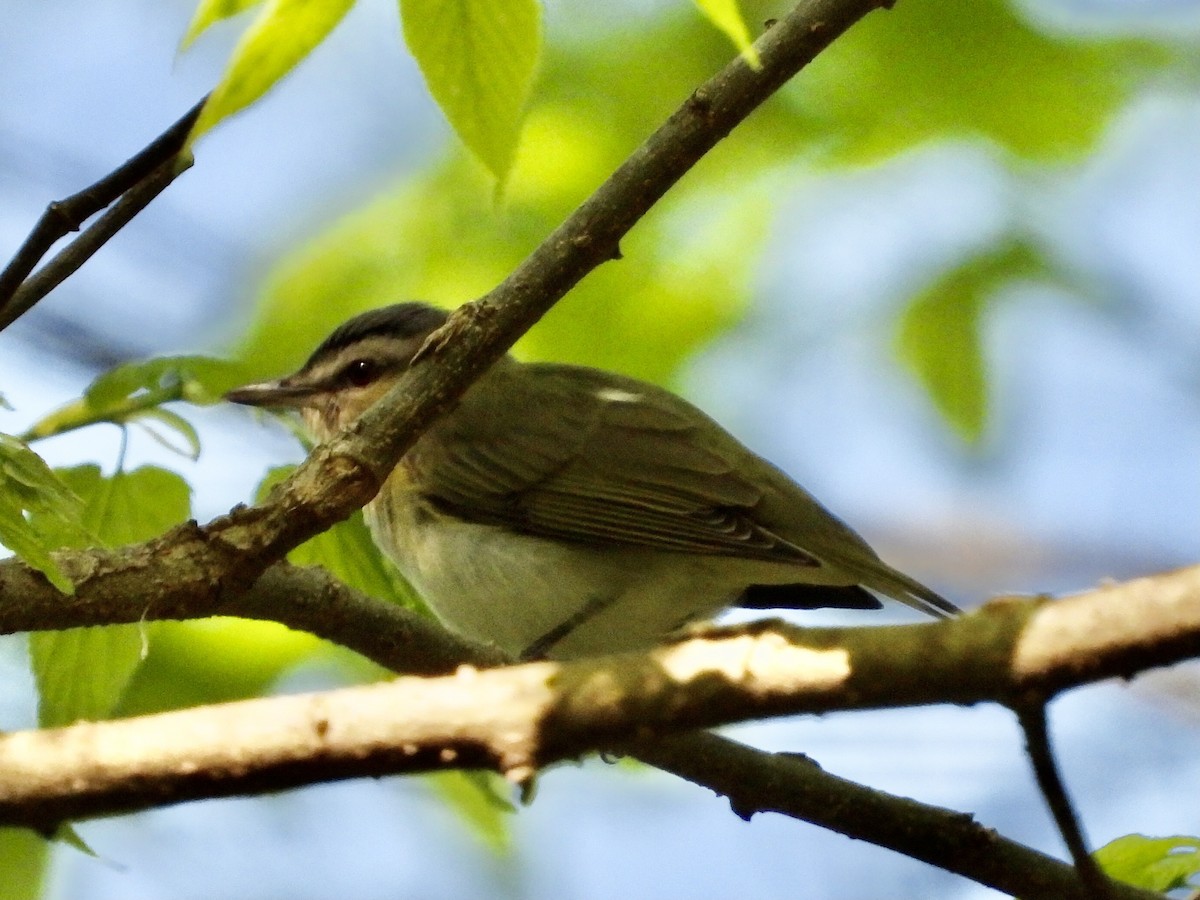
(209, 12)
(24, 860)
(176, 423)
(133, 391)
(128, 507)
(197, 379)
(479, 800)
(939, 335)
(937, 69)
(1156, 864)
(38, 511)
(726, 15)
(478, 58)
(284, 32)
(82, 673)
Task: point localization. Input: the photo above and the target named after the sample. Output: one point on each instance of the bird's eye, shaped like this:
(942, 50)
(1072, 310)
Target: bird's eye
(361, 372)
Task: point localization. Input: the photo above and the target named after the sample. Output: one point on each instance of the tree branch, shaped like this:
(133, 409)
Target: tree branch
(136, 182)
(519, 718)
(755, 781)
(343, 474)
(1031, 713)
(304, 598)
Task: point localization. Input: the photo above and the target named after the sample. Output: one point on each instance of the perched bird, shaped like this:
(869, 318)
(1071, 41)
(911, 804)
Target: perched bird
(563, 511)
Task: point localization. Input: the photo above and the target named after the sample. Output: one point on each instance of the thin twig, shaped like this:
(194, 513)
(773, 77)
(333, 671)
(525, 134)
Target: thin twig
(65, 216)
(1031, 713)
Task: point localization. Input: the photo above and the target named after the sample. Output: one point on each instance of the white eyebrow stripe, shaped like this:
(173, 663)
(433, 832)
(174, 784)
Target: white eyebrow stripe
(616, 395)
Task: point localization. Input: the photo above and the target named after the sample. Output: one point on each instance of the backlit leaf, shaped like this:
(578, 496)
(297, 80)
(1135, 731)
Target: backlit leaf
(476, 797)
(24, 857)
(478, 58)
(726, 15)
(38, 511)
(939, 336)
(209, 12)
(81, 673)
(1156, 864)
(284, 32)
(936, 69)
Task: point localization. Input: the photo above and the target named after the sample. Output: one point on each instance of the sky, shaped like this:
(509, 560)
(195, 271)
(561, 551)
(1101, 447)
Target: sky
(1089, 472)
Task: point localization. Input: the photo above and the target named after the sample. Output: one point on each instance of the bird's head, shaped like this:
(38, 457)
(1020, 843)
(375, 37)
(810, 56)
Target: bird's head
(350, 370)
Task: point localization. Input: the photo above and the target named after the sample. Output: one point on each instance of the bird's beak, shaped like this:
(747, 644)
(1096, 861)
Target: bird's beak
(284, 392)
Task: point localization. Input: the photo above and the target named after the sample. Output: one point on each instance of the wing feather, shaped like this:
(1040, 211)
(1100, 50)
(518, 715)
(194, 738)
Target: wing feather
(597, 459)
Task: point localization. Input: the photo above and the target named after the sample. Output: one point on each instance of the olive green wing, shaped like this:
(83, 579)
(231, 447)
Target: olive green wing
(587, 456)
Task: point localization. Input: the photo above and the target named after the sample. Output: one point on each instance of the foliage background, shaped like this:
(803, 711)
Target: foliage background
(1043, 197)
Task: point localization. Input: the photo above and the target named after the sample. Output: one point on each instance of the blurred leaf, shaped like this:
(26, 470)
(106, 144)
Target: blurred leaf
(132, 391)
(208, 13)
(478, 58)
(479, 799)
(66, 833)
(726, 15)
(685, 274)
(939, 335)
(38, 511)
(176, 423)
(213, 661)
(128, 507)
(197, 379)
(936, 69)
(81, 673)
(1156, 864)
(284, 32)
(24, 860)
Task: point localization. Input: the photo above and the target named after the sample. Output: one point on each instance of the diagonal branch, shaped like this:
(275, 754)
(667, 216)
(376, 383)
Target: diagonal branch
(755, 781)
(131, 186)
(1031, 713)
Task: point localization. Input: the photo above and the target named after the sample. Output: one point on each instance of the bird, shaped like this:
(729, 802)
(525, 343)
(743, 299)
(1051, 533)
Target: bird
(560, 511)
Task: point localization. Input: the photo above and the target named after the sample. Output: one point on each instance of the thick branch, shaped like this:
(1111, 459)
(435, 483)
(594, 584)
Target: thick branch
(306, 599)
(518, 718)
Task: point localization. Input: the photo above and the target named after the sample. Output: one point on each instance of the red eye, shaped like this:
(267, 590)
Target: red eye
(361, 372)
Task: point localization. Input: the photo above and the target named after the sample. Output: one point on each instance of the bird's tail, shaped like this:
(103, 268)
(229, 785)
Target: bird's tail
(911, 592)
(879, 576)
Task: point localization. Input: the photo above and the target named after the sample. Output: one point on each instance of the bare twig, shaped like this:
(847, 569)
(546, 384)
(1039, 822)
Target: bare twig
(136, 182)
(755, 782)
(1031, 713)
